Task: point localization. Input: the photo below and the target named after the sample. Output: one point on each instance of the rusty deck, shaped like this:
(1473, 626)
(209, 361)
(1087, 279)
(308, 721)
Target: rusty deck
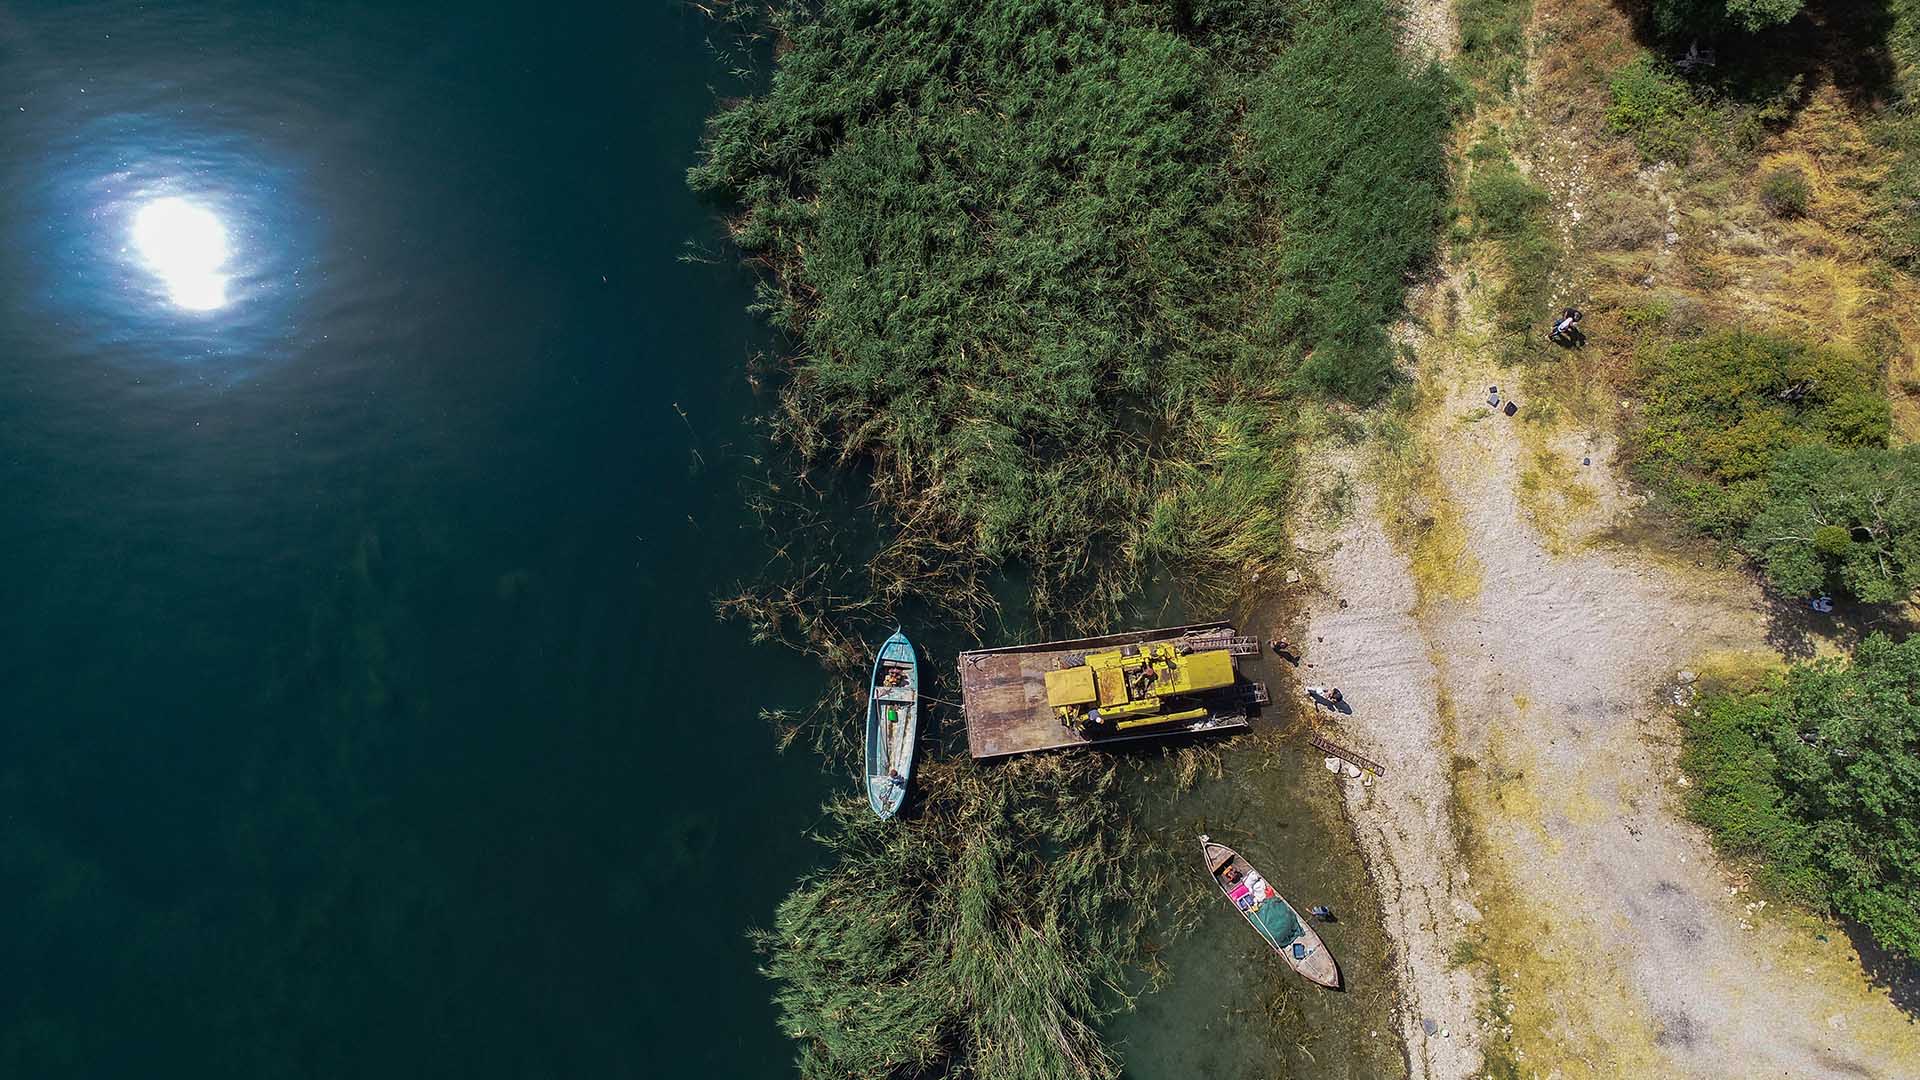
(1003, 693)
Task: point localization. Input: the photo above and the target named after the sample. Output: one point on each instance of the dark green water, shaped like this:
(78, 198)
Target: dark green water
(362, 712)
(362, 709)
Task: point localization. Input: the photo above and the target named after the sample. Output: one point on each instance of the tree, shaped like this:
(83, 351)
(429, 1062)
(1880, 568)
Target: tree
(1846, 519)
(1676, 17)
(1818, 774)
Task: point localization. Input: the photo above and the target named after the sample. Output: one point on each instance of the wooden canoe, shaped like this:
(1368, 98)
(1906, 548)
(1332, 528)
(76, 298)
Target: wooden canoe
(893, 717)
(1269, 913)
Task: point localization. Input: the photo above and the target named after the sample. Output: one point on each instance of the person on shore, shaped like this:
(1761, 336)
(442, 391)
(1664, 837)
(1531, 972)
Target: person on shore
(1284, 649)
(1321, 912)
(1566, 330)
(1326, 695)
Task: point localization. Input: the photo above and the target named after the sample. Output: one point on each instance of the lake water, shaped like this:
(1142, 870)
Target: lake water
(371, 460)
(362, 708)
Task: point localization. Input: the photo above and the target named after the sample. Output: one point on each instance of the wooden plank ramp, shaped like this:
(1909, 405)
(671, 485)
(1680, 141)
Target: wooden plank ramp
(1225, 638)
(1333, 749)
(1003, 693)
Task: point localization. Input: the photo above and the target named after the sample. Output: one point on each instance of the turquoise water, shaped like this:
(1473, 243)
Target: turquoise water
(362, 709)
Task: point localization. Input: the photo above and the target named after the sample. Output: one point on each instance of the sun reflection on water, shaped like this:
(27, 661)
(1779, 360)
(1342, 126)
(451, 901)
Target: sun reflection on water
(186, 246)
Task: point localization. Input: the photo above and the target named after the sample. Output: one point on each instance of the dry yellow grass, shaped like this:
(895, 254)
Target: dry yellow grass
(1662, 251)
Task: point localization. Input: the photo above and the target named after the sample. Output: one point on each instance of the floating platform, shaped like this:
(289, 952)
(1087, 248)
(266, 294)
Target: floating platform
(1003, 692)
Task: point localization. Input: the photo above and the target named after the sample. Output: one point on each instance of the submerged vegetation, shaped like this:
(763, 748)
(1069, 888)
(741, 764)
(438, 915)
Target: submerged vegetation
(1814, 775)
(1059, 278)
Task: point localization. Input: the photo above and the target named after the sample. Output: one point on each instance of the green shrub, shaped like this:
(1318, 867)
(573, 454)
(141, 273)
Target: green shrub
(1655, 108)
(1896, 220)
(1008, 246)
(1677, 17)
(1816, 775)
(1718, 413)
(1504, 201)
(1845, 520)
(1031, 252)
(964, 942)
(1512, 210)
(1785, 192)
(1493, 46)
(1054, 270)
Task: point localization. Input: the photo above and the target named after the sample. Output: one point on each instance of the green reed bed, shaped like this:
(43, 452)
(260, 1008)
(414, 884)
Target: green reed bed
(1034, 258)
(987, 937)
(1060, 278)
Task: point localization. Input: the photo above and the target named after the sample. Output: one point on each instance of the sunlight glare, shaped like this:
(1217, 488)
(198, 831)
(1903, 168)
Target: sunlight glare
(186, 246)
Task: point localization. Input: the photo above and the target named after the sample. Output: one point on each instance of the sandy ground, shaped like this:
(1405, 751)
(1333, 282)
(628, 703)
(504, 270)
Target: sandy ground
(1553, 914)
(1536, 703)
(1364, 635)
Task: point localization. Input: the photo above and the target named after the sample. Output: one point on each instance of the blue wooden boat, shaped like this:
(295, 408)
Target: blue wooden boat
(893, 716)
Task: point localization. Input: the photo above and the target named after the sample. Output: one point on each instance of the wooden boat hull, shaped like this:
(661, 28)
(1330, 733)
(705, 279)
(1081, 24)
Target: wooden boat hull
(1273, 924)
(893, 721)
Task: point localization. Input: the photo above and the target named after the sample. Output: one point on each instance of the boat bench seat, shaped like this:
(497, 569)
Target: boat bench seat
(893, 693)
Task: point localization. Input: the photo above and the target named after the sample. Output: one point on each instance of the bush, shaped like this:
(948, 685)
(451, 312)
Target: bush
(1052, 269)
(1504, 202)
(1027, 263)
(1843, 521)
(1816, 775)
(1719, 413)
(1655, 108)
(993, 303)
(1493, 46)
(1896, 203)
(1676, 17)
(964, 943)
(1511, 210)
(1785, 192)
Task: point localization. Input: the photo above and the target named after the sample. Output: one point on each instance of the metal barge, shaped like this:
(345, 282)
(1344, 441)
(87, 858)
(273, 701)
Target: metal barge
(1004, 691)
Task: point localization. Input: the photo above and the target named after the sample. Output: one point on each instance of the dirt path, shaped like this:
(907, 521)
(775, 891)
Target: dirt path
(1553, 914)
(1552, 910)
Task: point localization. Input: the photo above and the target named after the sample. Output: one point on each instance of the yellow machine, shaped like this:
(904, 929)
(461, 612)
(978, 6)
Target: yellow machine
(1137, 686)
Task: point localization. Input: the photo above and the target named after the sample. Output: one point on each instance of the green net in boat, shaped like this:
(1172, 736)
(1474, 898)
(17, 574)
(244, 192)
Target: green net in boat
(1278, 921)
